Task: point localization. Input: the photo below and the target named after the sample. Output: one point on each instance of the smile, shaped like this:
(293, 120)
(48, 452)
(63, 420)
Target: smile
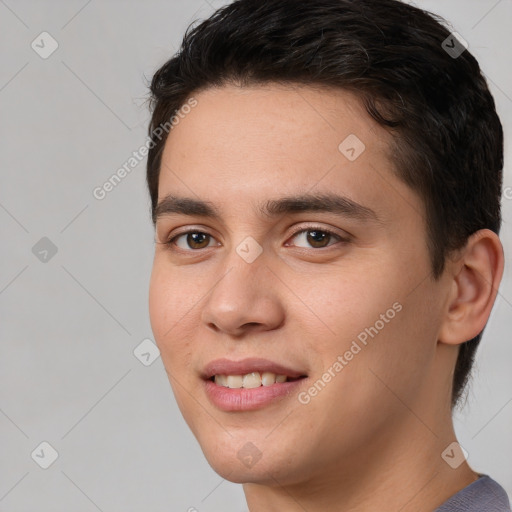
(249, 384)
(249, 380)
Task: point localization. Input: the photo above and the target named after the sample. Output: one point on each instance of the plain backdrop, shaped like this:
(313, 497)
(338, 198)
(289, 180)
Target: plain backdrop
(74, 271)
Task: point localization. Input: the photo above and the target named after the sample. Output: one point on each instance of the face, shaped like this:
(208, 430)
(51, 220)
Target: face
(299, 253)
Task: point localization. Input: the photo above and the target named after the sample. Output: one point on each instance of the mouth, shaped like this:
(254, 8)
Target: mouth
(252, 380)
(249, 384)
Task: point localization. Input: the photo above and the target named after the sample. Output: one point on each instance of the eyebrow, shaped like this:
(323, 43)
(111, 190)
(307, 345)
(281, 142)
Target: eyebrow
(327, 202)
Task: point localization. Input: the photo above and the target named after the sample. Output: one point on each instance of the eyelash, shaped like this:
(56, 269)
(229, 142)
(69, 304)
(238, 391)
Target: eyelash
(170, 242)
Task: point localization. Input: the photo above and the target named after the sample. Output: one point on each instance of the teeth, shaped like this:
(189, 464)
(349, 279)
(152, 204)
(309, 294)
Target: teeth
(221, 380)
(268, 378)
(234, 381)
(250, 380)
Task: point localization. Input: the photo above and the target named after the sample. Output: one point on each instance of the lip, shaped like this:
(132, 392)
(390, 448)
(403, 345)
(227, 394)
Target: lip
(242, 399)
(231, 400)
(249, 365)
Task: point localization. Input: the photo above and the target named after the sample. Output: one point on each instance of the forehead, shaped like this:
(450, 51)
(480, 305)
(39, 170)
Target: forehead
(255, 142)
(281, 116)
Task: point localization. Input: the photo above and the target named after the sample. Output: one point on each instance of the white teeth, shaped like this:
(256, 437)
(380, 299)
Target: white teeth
(235, 381)
(221, 380)
(249, 380)
(268, 378)
(252, 380)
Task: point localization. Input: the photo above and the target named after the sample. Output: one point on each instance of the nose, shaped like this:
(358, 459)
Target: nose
(244, 299)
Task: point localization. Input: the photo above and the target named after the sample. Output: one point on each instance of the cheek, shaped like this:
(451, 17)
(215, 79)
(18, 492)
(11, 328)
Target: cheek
(168, 308)
(395, 352)
(376, 320)
(344, 304)
(171, 299)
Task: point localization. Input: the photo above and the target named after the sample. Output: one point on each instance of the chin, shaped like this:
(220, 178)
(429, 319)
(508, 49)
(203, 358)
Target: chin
(239, 473)
(262, 462)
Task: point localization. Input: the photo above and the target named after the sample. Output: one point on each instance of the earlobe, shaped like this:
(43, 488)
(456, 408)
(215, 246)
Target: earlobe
(475, 283)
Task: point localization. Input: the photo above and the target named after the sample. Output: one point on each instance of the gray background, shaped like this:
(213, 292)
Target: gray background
(69, 325)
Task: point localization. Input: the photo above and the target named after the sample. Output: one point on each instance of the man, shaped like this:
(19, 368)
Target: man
(325, 180)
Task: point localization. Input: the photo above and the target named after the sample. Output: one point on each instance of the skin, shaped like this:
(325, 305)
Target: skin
(372, 438)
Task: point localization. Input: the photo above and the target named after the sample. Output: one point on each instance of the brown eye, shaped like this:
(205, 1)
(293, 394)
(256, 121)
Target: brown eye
(191, 240)
(197, 240)
(316, 238)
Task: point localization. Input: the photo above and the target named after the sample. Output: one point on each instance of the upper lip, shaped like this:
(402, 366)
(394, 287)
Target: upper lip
(249, 365)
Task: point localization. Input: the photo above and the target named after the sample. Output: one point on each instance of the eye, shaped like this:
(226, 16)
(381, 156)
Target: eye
(317, 237)
(194, 240)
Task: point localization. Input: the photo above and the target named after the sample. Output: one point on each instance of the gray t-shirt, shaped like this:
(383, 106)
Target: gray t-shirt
(483, 495)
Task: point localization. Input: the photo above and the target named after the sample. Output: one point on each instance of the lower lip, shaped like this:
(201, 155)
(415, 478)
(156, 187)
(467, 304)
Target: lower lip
(242, 399)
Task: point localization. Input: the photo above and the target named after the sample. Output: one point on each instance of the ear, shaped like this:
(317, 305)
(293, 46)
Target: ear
(475, 279)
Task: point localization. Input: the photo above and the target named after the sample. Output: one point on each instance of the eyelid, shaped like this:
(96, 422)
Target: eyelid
(186, 229)
(317, 227)
(169, 239)
(312, 226)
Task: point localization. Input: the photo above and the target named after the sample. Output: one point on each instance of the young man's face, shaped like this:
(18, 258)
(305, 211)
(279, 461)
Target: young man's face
(355, 314)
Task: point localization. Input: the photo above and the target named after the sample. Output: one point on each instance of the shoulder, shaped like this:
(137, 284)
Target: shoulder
(482, 494)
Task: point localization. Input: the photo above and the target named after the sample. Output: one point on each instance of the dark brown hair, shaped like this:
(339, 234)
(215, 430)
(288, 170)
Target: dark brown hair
(447, 137)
